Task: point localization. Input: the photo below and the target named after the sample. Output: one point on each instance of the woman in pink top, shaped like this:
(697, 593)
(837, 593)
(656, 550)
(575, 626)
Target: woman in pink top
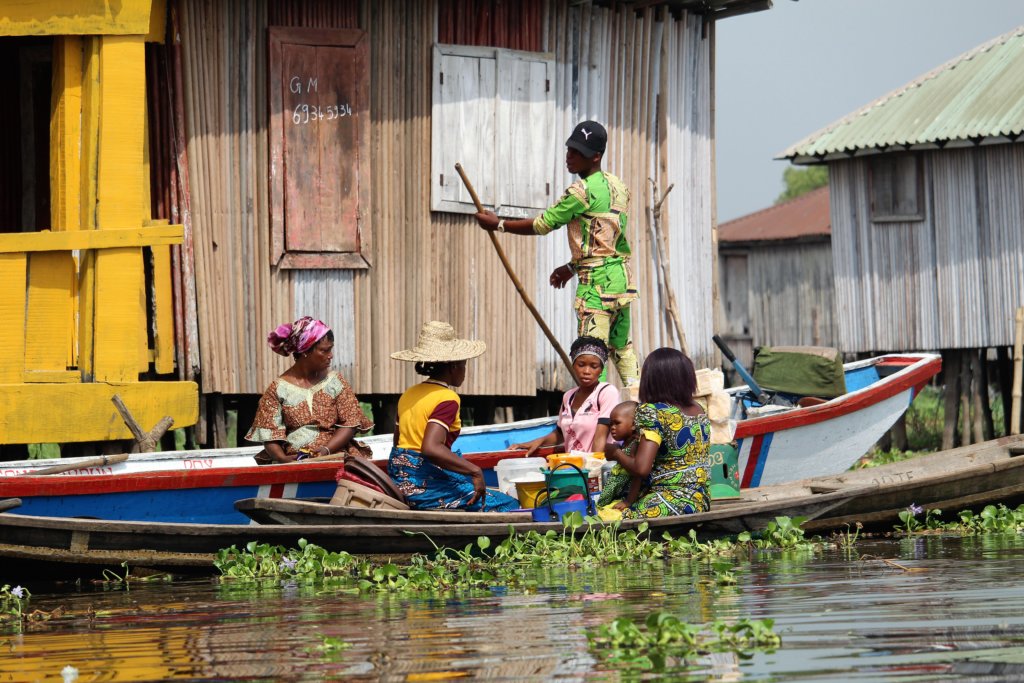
(584, 417)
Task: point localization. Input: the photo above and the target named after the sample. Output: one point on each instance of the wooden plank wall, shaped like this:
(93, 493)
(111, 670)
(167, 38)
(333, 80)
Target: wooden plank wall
(434, 265)
(791, 295)
(950, 281)
(239, 297)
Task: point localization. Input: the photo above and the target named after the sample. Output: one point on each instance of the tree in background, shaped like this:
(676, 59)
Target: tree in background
(800, 181)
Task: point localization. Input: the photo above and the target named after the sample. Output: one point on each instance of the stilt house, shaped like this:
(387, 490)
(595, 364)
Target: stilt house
(775, 270)
(180, 177)
(927, 207)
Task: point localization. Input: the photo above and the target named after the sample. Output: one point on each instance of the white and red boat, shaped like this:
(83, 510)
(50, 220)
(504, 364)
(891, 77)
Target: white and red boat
(202, 486)
(797, 443)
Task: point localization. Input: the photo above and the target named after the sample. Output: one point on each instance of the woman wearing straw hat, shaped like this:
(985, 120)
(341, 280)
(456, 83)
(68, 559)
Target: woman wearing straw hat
(422, 463)
(310, 410)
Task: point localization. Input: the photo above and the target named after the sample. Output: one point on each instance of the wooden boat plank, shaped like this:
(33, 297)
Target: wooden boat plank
(138, 558)
(733, 518)
(326, 513)
(86, 535)
(9, 504)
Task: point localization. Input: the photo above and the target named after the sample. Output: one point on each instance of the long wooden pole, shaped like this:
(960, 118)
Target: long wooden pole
(1018, 370)
(659, 245)
(515, 280)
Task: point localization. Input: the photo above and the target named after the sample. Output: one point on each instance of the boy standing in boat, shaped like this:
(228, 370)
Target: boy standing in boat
(595, 209)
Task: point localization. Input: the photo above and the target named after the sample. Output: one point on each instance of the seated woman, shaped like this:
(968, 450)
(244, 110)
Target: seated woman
(310, 410)
(422, 463)
(586, 409)
(673, 456)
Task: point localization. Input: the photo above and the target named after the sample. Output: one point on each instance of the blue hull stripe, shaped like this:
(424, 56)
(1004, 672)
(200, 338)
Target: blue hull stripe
(766, 444)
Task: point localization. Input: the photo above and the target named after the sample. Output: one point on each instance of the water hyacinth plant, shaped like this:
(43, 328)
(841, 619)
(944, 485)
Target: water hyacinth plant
(13, 602)
(663, 640)
(909, 519)
(991, 519)
(483, 565)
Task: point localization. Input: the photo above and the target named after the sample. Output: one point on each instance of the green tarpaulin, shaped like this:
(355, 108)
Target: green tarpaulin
(801, 370)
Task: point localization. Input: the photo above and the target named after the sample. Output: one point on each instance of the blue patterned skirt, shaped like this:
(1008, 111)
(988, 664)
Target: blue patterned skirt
(429, 487)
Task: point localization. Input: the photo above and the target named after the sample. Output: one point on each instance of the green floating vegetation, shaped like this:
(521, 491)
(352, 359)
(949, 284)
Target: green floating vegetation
(13, 602)
(480, 566)
(993, 519)
(330, 648)
(663, 640)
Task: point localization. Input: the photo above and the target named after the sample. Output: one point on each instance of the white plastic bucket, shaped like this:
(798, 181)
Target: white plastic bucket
(512, 468)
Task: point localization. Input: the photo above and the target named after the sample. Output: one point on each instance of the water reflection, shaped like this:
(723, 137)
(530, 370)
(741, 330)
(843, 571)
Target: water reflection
(921, 608)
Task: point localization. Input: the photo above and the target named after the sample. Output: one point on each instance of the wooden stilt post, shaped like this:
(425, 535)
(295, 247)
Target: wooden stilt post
(951, 390)
(1005, 374)
(1018, 370)
(965, 397)
(218, 421)
(984, 393)
(899, 434)
(977, 418)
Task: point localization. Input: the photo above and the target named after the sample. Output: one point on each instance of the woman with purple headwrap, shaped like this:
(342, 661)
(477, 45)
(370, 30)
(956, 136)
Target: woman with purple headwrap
(310, 410)
(583, 421)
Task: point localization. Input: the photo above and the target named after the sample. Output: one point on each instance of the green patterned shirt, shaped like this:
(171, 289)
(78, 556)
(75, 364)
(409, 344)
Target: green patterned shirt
(595, 209)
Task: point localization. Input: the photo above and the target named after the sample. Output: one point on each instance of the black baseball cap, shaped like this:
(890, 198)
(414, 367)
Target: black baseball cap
(588, 138)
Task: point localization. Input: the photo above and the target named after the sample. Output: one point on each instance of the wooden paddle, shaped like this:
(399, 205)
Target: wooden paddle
(515, 280)
(99, 461)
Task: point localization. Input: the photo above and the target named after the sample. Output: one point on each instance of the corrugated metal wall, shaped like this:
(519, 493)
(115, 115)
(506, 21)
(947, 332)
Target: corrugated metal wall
(610, 69)
(436, 265)
(951, 281)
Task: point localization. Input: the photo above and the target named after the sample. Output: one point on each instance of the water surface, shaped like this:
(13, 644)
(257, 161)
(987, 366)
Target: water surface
(942, 607)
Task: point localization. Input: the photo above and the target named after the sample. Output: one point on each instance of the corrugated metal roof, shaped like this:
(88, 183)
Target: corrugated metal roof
(805, 216)
(979, 94)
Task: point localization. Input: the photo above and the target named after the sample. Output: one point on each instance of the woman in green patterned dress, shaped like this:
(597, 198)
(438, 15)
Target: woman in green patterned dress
(673, 454)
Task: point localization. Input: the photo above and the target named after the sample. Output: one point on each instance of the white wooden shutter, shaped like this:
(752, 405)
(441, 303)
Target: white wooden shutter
(526, 118)
(462, 127)
(493, 112)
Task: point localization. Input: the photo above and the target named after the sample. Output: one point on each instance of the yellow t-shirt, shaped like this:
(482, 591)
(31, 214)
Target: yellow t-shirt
(422, 404)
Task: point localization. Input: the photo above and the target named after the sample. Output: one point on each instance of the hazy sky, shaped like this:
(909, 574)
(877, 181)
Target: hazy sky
(784, 73)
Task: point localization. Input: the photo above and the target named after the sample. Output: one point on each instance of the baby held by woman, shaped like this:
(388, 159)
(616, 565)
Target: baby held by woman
(621, 486)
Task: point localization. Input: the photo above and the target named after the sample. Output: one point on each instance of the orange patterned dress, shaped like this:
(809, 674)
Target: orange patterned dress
(306, 418)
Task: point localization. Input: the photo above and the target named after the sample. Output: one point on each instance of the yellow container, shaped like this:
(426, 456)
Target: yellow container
(527, 492)
(556, 459)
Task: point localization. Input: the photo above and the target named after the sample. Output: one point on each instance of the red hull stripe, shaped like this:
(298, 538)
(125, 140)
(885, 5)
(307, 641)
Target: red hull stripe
(752, 458)
(263, 475)
(845, 404)
(276, 491)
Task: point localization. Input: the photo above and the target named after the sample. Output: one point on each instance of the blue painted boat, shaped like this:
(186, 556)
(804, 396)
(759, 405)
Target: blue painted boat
(202, 486)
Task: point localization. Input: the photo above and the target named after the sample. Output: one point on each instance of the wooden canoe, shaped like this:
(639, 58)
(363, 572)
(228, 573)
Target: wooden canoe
(313, 512)
(71, 541)
(985, 473)
(969, 477)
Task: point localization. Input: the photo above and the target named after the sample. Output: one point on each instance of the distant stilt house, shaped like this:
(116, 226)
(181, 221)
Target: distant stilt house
(927, 206)
(775, 273)
(182, 176)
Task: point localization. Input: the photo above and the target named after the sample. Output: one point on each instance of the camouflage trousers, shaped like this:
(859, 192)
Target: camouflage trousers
(603, 297)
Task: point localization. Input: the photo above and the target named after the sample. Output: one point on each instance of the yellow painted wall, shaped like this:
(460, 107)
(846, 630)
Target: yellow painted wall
(99, 199)
(13, 269)
(74, 17)
(66, 134)
(37, 413)
(119, 316)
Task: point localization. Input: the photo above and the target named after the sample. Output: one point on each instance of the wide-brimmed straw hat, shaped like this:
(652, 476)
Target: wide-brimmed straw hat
(438, 344)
